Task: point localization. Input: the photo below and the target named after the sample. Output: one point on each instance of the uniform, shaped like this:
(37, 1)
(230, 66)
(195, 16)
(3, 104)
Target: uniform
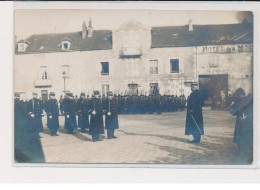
(35, 107)
(52, 110)
(96, 120)
(28, 147)
(111, 117)
(69, 109)
(243, 135)
(194, 112)
(83, 109)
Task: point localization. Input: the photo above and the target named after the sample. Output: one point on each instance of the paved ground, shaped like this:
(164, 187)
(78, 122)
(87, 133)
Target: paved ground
(148, 139)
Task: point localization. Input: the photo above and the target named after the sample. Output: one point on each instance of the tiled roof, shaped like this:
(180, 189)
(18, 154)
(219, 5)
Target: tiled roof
(168, 36)
(100, 40)
(179, 36)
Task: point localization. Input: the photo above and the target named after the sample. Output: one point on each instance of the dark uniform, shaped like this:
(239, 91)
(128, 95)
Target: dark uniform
(52, 110)
(243, 135)
(111, 117)
(35, 111)
(96, 120)
(194, 112)
(83, 109)
(69, 109)
(28, 147)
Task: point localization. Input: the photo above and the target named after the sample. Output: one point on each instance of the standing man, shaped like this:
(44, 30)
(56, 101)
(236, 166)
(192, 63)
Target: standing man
(52, 110)
(68, 108)
(111, 120)
(243, 135)
(83, 108)
(194, 118)
(96, 121)
(35, 112)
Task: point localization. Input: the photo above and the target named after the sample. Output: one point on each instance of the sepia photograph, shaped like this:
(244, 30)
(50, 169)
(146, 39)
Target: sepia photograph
(133, 86)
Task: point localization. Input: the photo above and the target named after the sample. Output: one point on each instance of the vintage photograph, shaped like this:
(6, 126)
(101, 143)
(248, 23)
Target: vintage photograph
(172, 87)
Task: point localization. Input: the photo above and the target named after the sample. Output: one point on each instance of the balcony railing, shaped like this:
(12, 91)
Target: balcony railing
(129, 52)
(43, 83)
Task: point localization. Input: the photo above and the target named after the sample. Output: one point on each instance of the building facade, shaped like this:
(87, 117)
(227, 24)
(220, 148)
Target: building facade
(136, 59)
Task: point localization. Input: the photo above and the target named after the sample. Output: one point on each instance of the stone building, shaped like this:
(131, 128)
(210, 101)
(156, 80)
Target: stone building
(136, 59)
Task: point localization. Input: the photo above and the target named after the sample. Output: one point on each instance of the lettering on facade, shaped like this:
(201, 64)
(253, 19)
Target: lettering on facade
(227, 49)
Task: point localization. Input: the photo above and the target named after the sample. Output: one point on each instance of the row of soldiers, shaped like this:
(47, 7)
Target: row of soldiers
(89, 111)
(134, 104)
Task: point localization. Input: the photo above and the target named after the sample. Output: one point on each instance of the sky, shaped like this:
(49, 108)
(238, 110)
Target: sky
(31, 21)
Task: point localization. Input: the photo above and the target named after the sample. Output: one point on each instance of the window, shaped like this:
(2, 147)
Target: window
(213, 60)
(133, 89)
(153, 66)
(44, 95)
(174, 65)
(104, 68)
(105, 89)
(154, 89)
(65, 71)
(44, 73)
(65, 46)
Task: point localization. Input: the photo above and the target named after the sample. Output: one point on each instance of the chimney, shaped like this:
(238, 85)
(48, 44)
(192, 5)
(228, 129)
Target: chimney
(190, 25)
(90, 28)
(84, 30)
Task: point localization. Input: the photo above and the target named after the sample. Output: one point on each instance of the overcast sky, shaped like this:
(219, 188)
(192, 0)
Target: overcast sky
(29, 22)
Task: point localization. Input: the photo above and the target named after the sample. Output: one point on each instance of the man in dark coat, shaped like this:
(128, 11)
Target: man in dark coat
(35, 112)
(52, 110)
(194, 118)
(68, 108)
(111, 119)
(243, 135)
(83, 109)
(96, 120)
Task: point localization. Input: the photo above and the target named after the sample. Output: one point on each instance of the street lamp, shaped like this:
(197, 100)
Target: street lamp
(64, 75)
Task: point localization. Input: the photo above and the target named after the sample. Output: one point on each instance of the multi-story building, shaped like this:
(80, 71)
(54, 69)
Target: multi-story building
(137, 59)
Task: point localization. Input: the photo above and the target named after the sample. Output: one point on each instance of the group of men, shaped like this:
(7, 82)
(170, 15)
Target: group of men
(89, 111)
(143, 104)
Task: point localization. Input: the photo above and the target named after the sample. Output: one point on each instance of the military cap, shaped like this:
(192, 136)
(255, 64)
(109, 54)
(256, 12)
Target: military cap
(17, 94)
(82, 94)
(69, 94)
(109, 93)
(240, 91)
(194, 84)
(52, 93)
(96, 92)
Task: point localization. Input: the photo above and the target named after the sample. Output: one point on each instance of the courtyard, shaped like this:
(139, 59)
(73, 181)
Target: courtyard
(148, 139)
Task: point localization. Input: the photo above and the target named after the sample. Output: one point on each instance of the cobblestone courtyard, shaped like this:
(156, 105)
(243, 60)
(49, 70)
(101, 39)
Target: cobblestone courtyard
(149, 138)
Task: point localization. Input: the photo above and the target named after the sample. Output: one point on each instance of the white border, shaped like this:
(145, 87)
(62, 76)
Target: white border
(70, 173)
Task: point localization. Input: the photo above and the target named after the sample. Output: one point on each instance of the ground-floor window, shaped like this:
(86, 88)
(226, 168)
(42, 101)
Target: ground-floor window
(105, 88)
(133, 89)
(154, 88)
(44, 94)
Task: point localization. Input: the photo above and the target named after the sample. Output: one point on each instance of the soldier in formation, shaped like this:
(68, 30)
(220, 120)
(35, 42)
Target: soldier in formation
(52, 111)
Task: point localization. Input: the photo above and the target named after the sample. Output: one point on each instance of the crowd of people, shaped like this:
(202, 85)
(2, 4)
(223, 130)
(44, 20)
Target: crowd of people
(94, 115)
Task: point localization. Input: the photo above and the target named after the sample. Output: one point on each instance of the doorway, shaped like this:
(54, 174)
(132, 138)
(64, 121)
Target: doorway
(212, 86)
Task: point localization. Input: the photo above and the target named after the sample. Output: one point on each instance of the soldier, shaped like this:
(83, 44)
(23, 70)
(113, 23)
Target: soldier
(35, 112)
(96, 120)
(194, 118)
(28, 147)
(52, 110)
(68, 108)
(83, 109)
(243, 135)
(111, 119)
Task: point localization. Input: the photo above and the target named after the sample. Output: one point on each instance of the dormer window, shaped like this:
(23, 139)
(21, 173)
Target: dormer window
(22, 45)
(66, 43)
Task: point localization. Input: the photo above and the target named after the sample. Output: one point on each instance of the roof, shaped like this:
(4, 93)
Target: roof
(167, 36)
(100, 40)
(179, 36)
